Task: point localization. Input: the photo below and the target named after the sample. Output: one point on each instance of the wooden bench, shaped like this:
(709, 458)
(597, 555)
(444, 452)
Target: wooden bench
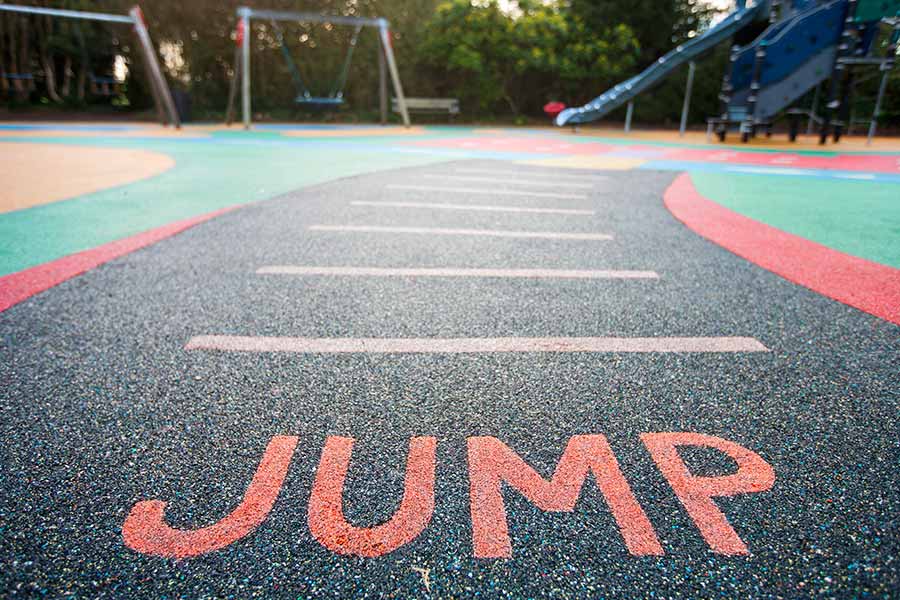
(429, 106)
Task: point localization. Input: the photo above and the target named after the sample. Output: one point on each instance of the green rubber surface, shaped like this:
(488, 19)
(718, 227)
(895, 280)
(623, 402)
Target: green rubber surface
(227, 168)
(207, 176)
(855, 217)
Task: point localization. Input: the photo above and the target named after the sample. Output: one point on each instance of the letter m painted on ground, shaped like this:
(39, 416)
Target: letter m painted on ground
(492, 463)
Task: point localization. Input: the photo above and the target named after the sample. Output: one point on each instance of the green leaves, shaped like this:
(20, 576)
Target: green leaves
(498, 61)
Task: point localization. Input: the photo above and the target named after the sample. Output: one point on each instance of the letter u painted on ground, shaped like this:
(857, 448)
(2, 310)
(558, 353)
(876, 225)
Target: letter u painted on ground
(492, 463)
(326, 514)
(146, 531)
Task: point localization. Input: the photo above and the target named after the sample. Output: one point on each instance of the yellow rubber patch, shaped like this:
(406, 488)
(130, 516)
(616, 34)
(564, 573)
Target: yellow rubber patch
(34, 174)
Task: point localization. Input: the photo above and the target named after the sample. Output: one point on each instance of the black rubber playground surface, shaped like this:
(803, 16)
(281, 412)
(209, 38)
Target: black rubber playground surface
(103, 404)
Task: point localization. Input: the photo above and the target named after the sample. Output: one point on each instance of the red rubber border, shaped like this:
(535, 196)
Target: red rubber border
(17, 287)
(857, 282)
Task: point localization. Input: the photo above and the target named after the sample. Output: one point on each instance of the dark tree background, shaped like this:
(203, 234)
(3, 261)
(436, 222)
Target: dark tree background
(502, 62)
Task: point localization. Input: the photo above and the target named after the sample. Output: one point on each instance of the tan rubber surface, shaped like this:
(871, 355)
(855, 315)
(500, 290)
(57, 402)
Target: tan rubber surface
(34, 174)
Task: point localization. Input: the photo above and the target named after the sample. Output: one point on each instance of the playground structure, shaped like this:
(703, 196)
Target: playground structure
(688, 52)
(386, 63)
(806, 44)
(104, 86)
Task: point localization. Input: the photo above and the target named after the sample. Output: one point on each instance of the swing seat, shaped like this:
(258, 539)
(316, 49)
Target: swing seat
(304, 97)
(104, 80)
(320, 101)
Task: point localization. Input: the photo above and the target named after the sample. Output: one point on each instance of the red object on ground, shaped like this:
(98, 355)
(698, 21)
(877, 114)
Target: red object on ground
(857, 282)
(554, 108)
(17, 287)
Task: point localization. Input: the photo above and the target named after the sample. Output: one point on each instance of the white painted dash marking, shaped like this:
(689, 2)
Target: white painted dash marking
(533, 174)
(449, 272)
(771, 171)
(303, 345)
(493, 192)
(859, 176)
(507, 181)
(475, 207)
(482, 232)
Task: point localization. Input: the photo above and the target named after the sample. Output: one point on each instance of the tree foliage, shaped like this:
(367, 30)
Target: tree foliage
(500, 61)
(659, 25)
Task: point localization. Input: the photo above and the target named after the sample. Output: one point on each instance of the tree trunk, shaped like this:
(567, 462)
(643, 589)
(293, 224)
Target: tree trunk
(17, 87)
(4, 82)
(82, 81)
(510, 102)
(44, 32)
(67, 77)
(50, 78)
(25, 55)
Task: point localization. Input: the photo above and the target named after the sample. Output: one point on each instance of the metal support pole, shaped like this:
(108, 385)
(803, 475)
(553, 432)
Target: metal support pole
(813, 110)
(845, 113)
(153, 65)
(382, 87)
(748, 126)
(306, 17)
(628, 115)
(72, 14)
(161, 114)
(245, 68)
(874, 122)
(685, 109)
(886, 67)
(838, 74)
(385, 35)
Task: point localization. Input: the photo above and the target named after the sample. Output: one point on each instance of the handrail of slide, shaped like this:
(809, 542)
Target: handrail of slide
(627, 90)
(786, 50)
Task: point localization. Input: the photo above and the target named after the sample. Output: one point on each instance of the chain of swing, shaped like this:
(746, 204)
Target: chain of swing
(304, 94)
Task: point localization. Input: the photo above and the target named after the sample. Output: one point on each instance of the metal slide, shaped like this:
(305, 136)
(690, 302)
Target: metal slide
(626, 91)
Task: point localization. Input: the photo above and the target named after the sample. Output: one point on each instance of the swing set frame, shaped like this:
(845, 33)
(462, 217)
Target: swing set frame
(387, 64)
(162, 95)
